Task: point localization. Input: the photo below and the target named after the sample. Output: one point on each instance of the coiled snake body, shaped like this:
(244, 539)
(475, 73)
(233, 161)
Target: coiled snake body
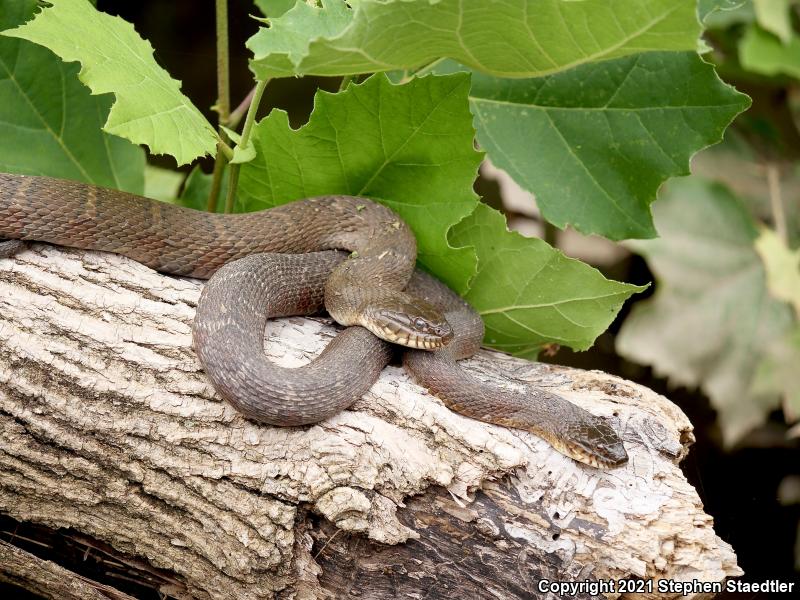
(291, 260)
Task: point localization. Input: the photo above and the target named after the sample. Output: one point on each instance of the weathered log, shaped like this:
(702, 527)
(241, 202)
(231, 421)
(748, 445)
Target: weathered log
(110, 428)
(47, 579)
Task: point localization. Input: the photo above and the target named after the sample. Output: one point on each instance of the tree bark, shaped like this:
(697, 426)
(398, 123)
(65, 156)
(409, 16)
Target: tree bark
(110, 428)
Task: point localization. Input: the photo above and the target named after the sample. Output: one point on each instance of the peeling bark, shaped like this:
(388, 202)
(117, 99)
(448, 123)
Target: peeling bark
(110, 427)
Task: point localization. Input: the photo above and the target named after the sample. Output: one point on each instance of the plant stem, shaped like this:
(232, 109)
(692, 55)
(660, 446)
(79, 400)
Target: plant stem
(776, 202)
(216, 179)
(239, 112)
(427, 68)
(252, 110)
(550, 233)
(226, 150)
(345, 80)
(233, 180)
(223, 63)
(233, 177)
(223, 104)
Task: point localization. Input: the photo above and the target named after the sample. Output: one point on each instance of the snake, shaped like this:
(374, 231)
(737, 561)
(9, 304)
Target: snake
(351, 256)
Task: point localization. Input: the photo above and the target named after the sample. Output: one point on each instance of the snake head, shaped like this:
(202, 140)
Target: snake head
(408, 321)
(592, 441)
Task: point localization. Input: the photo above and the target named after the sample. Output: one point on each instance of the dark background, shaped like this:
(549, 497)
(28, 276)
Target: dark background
(737, 486)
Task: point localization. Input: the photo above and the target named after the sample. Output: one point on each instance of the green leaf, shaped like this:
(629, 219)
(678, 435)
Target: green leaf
(530, 294)
(236, 137)
(761, 52)
(161, 184)
(726, 13)
(198, 187)
(516, 38)
(241, 154)
(782, 266)
(738, 164)
(410, 146)
(707, 7)
(594, 143)
(712, 318)
(149, 107)
(274, 8)
(774, 16)
(50, 124)
(777, 373)
(296, 28)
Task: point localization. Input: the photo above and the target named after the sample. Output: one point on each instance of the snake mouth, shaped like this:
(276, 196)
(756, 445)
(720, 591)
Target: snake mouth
(413, 339)
(605, 456)
(600, 462)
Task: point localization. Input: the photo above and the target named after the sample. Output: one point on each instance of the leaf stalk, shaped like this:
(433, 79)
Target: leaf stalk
(239, 112)
(233, 178)
(550, 233)
(424, 70)
(223, 104)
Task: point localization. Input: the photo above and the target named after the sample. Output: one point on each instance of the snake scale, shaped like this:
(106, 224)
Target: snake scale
(349, 255)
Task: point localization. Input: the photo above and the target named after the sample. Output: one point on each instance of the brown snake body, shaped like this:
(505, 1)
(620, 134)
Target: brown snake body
(284, 261)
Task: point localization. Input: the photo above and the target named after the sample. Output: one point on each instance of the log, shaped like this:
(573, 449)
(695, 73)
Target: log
(111, 429)
(48, 580)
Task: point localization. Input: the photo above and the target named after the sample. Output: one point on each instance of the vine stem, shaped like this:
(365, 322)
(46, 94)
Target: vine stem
(427, 68)
(233, 177)
(239, 112)
(216, 179)
(423, 70)
(776, 202)
(345, 80)
(550, 232)
(223, 104)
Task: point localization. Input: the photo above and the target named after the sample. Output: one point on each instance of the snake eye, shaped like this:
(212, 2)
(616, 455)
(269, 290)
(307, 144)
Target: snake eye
(420, 324)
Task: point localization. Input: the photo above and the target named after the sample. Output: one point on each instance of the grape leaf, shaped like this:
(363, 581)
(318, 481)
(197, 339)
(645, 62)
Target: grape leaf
(516, 38)
(712, 318)
(782, 266)
(762, 52)
(594, 143)
(774, 16)
(149, 107)
(50, 124)
(530, 294)
(298, 26)
(409, 146)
